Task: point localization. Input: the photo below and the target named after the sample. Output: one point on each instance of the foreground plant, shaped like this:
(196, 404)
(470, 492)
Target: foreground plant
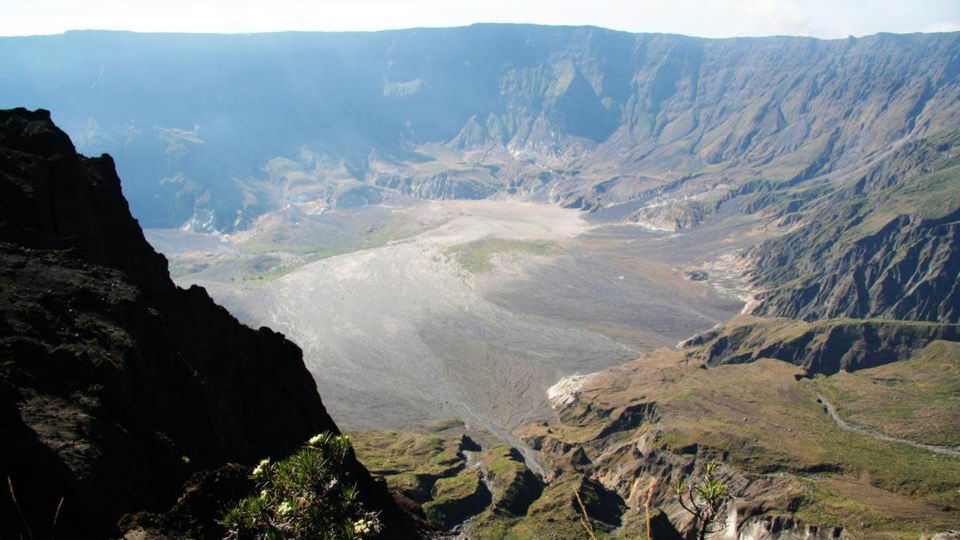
(304, 496)
(705, 497)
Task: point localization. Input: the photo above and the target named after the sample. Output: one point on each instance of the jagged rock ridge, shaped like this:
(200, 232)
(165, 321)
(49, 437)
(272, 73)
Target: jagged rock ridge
(885, 246)
(116, 385)
(824, 347)
(582, 116)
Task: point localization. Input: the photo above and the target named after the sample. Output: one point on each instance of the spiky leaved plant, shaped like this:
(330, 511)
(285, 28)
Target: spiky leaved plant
(705, 497)
(304, 496)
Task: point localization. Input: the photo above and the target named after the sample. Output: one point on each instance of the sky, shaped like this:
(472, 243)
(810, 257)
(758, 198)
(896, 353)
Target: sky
(706, 18)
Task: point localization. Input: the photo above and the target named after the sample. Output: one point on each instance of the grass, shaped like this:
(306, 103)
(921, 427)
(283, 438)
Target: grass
(768, 422)
(184, 269)
(281, 244)
(255, 264)
(427, 466)
(555, 514)
(502, 465)
(479, 256)
(760, 416)
(514, 486)
(388, 453)
(430, 467)
(916, 399)
(552, 515)
(455, 489)
(794, 433)
(826, 506)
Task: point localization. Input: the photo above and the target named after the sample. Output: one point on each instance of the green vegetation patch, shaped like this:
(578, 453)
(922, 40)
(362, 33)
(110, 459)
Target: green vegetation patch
(304, 496)
(478, 256)
(410, 461)
(872, 512)
(456, 488)
(283, 243)
(778, 425)
(916, 399)
(764, 418)
(455, 498)
(552, 515)
(514, 486)
(426, 466)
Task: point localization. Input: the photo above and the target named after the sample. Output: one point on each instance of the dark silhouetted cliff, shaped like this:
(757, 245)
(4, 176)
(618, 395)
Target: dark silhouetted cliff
(115, 385)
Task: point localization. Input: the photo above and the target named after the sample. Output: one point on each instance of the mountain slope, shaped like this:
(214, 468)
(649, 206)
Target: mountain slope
(213, 130)
(116, 385)
(824, 402)
(884, 246)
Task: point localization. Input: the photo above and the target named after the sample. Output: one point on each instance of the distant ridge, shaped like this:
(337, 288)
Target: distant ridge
(213, 130)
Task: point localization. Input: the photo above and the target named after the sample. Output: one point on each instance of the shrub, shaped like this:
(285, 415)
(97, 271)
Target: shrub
(304, 496)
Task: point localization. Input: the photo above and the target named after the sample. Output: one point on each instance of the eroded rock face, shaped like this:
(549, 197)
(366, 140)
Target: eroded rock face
(825, 347)
(580, 116)
(786, 528)
(116, 385)
(907, 270)
(885, 246)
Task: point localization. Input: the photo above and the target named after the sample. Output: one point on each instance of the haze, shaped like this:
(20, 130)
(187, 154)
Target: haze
(710, 18)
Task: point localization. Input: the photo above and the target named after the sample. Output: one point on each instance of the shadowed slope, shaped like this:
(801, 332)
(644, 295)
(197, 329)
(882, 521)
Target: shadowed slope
(116, 385)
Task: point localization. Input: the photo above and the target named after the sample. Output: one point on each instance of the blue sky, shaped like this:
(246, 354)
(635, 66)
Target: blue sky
(709, 18)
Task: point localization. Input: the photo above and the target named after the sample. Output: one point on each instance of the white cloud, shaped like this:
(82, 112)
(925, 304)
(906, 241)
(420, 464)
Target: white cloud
(942, 27)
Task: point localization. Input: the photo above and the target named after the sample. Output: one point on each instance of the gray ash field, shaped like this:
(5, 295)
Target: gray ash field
(473, 311)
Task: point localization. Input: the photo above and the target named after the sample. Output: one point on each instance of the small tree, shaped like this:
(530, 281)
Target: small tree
(304, 496)
(705, 497)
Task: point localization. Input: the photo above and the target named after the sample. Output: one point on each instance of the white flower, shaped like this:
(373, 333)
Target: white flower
(366, 527)
(316, 439)
(263, 494)
(362, 527)
(258, 470)
(284, 508)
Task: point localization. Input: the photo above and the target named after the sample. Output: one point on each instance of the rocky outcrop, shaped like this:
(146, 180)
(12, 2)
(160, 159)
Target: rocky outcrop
(824, 347)
(205, 494)
(115, 385)
(513, 485)
(907, 270)
(441, 186)
(458, 498)
(887, 246)
(360, 195)
(626, 460)
(786, 527)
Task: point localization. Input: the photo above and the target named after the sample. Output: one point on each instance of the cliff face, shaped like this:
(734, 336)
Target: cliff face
(116, 385)
(549, 113)
(907, 270)
(885, 246)
(824, 347)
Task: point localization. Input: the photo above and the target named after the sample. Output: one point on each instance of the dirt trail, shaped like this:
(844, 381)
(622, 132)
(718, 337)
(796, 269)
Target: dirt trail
(828, 407)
